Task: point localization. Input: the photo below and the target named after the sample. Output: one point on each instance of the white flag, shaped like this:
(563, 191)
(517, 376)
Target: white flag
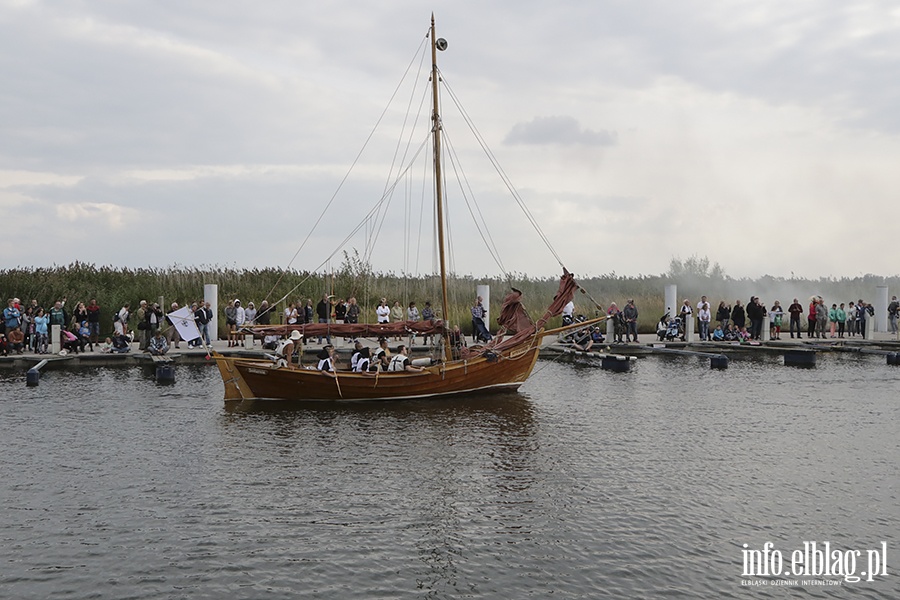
(183, 320)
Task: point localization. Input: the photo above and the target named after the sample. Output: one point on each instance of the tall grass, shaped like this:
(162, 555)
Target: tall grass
(112, 287)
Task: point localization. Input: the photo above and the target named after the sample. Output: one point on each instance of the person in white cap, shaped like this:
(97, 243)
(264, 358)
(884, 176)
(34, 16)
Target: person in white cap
(288, 346)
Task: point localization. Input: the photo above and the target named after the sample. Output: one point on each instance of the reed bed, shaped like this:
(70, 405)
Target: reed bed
(114, 286)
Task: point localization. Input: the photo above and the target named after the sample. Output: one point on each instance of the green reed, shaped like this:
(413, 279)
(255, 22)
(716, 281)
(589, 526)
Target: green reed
(114, 286)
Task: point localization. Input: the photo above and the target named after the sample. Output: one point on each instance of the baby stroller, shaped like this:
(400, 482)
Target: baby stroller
(674, 330)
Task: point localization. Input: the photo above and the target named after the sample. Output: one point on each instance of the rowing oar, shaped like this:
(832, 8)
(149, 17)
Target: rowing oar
(338, 383)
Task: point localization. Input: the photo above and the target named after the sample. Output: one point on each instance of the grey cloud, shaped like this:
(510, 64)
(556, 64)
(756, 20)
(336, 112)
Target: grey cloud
(566, 131)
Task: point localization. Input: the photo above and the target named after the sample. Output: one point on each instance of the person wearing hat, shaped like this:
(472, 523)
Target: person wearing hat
(326, 359)
(364, 364)
(354, 358)
(287, 347)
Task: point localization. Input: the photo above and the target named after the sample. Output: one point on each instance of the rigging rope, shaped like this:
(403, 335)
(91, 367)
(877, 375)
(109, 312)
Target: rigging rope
(500, 171)
(347, 175)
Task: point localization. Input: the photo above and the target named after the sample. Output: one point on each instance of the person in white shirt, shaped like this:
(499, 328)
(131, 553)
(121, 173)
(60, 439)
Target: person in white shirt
(383, 311)
(568, 313)
(704, 316)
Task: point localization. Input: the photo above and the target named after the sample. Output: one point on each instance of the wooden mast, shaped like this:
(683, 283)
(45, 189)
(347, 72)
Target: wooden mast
(439, 191)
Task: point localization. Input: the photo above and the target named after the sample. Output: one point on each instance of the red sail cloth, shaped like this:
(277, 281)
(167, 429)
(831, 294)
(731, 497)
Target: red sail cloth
(372, 330)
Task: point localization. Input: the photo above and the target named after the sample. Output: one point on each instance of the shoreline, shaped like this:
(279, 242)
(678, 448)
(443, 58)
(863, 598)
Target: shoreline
(881, 342)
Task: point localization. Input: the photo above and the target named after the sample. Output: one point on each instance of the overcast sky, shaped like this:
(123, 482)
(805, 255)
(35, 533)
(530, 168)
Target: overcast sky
(762, 134)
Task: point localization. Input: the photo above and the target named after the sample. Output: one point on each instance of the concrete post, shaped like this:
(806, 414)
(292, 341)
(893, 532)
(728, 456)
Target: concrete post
(55, 345)
(671, 298)
(211, 295)
(689, 330)
(765, 335)
(870, 327)
(610, 330)
(880, 305)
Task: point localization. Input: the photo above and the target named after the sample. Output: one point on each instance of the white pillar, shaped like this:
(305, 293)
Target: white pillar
(671, 299)
(689, 330)
(55, 345)
(765, 335)
(880, 305)
(870, 327)
(211, 295)
(610, 330)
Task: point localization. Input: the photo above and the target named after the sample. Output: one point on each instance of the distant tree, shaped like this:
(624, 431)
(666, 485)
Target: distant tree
(694, 267)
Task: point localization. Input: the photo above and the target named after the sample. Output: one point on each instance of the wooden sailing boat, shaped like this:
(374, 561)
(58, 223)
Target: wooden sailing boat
(503, 364)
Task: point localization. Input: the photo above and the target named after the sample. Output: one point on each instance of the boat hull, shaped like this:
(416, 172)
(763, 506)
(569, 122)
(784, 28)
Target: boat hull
(246, 379)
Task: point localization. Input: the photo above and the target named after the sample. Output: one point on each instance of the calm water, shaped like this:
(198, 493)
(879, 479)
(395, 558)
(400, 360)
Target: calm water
(586, 484)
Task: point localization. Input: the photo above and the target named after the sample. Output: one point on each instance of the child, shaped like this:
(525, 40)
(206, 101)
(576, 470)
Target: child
(718, 335)
(107, 346)
(84, 336)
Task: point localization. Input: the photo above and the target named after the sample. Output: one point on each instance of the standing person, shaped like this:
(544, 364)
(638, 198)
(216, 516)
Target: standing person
(480, 330)
(352, 311)
(841, 319)
(795, 309)
(618, 323)
(240, 317)
(630, 312)
(428, 317)
(833, 317)
(864, 310)
(738, 316)
(93, 310)
(230, 316)
(41, 329)
(147, 324)
(776, 315)
(568, 313)
(340, 311)
(821, 318)
(397, 315)
(264, 316)
(811, 317)
(201, 323)
(893, 313)
(120, 320)
(308, 311)
(412, 314)
(723, 315)
(11, 316)
(323, 312)
(79, 315)
(250, 314)
(704, 316)
(687, 314)
(153, 315)
(28, 327)
(57, 316)
(851, 319)
(290, 314)
(755, 315)
(382, 312)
